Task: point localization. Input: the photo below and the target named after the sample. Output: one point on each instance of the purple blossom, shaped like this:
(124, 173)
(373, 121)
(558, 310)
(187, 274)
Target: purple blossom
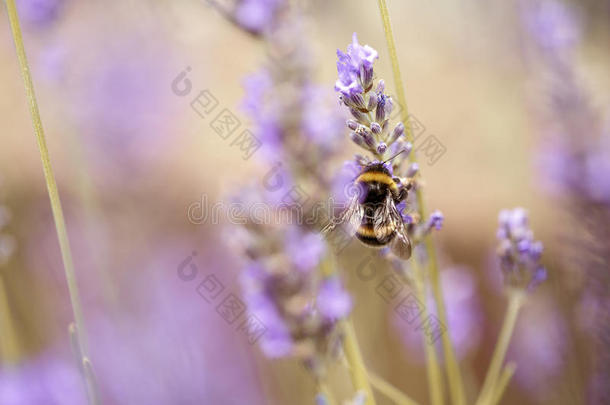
(40, 13)
(333, 301)
(463, 314)
(436, 220)
(257, 15)
(48, 379)
(276, 341)
(305, 249)
(355, 68)
(519, 253)
(539, 344)
(552, 25)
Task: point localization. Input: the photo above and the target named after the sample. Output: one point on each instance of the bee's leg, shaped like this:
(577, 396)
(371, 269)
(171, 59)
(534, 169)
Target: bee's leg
(403, 189)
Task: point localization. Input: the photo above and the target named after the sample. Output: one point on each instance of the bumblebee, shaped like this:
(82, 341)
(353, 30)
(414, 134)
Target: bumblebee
(372, 214)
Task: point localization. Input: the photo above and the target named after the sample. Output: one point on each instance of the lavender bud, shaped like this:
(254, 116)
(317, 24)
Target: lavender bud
(380, 111)
(369, 140)
(366, 76)
(436, 220)
(413, 169)
(408, 148)
(361, 160)
(389, 105)
(357, 115)
(357, 139)
(357, 100)
(380, 86)
(381, 148)
(351, 124)
(372, 102)
(399, 129)
(376, 128)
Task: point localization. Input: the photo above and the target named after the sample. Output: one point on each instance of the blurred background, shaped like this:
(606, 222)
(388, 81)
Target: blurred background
(131, 156)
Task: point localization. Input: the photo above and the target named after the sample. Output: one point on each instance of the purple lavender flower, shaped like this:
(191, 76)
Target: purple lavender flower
(333, 301)
(553, 25)
(49, 379)
(369, 106)
(519, 253)
(539, 345)
(464, 314)
(574, 161)
(355, 69)
(305, 249)
(40, 13)
(255, 16)
(436, 220)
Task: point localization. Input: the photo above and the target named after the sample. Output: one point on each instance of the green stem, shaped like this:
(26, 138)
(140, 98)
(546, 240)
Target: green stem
(58, 215)
(326, 393)
(507, 374)
(9, 346)
(389, 390)
(356, 363)
(516, 299)
(456, 385)
(433, 369)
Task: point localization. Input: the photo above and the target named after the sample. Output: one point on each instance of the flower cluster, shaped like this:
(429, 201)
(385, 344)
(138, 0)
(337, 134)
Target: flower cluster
(519, 253)
(367, 102)
(285, 288)
(255, 16)
(371, 130)
(286, 282)
(575, 154)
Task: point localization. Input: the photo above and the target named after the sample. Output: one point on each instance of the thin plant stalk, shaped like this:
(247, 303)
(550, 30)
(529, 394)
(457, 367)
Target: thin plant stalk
(456, 385)
(58, 216)
(9, 344)
(507, 374)
(326, 393)
(354, 358)
(433, 369)
(387, 389)
(353, 355)
(515, 302)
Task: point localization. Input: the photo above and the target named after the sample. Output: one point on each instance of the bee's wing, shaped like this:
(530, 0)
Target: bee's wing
(352, 217)
(388, 218)
(401, 245)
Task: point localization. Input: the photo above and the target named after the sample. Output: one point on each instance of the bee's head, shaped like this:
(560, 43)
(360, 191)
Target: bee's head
(377, 166)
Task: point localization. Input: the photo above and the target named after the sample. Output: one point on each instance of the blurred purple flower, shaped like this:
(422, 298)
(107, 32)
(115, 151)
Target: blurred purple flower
(257, 15)
(276, 341)
(436, 220)
(40, 13)
(538, 346)
(333, 301)
(124, 102)
(170, 345)
(464, 314)
(49, 379)
(552, 25)
(305, 249)
(519, 253)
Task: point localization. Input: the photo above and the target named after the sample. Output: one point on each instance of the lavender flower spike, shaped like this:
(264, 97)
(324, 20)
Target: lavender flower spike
(367, 103)
(519, 253)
